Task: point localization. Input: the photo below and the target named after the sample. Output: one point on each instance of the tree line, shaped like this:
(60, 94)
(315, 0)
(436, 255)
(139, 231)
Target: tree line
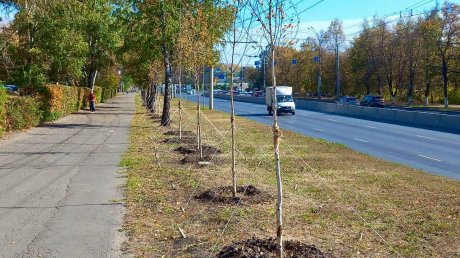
(103, 42)
(413, 59)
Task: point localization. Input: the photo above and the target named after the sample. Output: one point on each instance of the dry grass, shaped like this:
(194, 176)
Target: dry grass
(346, 203)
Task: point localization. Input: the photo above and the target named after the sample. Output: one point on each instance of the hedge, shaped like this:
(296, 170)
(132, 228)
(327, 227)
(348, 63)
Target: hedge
(454, 97)
(51, 103)
(98, 92)
(59, 100)
(108, 93)
(3, 100)
(22, 112)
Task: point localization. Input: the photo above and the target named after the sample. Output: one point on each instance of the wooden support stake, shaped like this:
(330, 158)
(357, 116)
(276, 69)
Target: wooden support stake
(181, 233)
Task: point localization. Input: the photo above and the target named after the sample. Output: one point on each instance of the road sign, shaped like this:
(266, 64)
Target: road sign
(294, 61)
(257, 63)
(316, 59)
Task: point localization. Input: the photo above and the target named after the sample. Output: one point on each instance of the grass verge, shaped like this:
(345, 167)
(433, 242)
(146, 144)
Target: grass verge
(344, 202)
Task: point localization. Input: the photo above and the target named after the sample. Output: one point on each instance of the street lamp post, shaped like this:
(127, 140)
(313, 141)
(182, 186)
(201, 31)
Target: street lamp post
(320, 42)
(211, 88)
(120, 83)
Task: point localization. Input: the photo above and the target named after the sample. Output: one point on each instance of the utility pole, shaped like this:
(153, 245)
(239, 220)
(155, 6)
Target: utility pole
(263, 60)
(211, 88)
(320, 42)
(204, 68)
(241, 78)
(265, 85)
(319, 74)
(337, 56)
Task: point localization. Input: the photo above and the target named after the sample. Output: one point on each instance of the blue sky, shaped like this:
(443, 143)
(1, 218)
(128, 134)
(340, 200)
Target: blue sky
(358, 9)
(351, 13)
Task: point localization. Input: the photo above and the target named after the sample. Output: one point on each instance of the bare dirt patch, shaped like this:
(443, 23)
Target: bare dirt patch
(207, 150)
(266, 248)
(195, 159)
(176, 133)
(245, 195)
(185, 140)
(190, 247)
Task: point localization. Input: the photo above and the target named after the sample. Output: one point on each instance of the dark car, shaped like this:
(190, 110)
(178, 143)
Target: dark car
(10, 88)
(373, 101)
(347, 100)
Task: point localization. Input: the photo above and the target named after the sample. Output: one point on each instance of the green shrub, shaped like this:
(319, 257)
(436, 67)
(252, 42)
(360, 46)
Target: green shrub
(3, 99)
(83, 93)
(48, 103)
(454, 97)
(59, 100)
(108, 94)
(98, 92)
(22, 113)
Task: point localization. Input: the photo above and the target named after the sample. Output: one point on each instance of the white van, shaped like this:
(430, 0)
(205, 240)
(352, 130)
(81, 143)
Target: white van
(285, 102)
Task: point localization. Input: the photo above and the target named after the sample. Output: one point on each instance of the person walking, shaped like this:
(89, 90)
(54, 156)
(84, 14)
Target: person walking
(92, 101)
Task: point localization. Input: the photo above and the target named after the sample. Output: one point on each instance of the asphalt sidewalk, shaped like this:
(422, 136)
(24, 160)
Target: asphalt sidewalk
(60, 193)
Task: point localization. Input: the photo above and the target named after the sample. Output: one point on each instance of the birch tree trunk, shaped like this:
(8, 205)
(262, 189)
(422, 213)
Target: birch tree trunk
(198, 122)
(232, 121)
(180, 102)
(276, 141)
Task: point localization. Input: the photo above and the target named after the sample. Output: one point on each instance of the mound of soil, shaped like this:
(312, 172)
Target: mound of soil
(266, 248)
(185, 149)
(184, 133)
(193, 159)
(207, 150)
(245, 194)
(189, 247)
(185, 139)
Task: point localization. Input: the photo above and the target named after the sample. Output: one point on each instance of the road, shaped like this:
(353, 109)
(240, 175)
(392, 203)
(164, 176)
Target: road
(429, 150)
(60, 191)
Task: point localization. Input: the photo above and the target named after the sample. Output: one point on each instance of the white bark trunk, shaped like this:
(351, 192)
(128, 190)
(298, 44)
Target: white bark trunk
(232, 121)
(198, 124)
(279, 184)
(180, 102)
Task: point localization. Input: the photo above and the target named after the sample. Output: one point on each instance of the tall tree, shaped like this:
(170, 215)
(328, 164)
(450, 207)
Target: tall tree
(102, 37)
(234, 37)
(272, 16)
(44, 42)
(336, 38)
(204, 25)
(449, 29)
(412, 49)
(429, 57)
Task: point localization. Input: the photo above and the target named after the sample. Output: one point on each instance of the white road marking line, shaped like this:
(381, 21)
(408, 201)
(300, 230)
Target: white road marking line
(290, 122)
(333, 120)
(319, 130)
(368, 126)
(359, 140)
(430, 158)
(426, 137)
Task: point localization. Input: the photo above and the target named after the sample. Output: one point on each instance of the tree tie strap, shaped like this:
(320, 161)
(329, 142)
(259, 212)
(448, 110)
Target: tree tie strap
(276, 135)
